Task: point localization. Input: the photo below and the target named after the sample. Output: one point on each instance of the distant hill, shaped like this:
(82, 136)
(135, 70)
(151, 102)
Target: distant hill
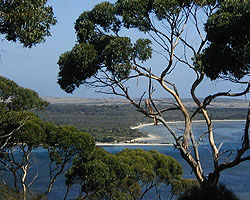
(85, 101)
(218, 103)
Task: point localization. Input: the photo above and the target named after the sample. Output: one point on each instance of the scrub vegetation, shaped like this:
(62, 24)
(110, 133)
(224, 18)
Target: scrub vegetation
(110, 123)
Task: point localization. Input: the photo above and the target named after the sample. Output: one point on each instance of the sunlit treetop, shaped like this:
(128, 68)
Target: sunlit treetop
(101, 47)
(16, 98)
(27, 21)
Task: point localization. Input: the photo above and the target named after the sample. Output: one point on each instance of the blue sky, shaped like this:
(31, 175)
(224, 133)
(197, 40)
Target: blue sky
(37, 68)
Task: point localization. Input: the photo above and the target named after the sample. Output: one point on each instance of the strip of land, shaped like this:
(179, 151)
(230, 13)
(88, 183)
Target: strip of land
(142, 125)
(114, 121)
(142, 141)
(132, 144)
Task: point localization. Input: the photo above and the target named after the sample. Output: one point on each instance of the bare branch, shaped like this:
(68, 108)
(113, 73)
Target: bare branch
(151, 100)
(141, 98)
(209, 99)
(201, 137)
(169, 109)
(220, 146)
(11, 133)
(32, 181)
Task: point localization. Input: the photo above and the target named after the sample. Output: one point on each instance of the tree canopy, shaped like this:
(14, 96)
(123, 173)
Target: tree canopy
(15, 108)
(228, 34)
(100, 45)
(130, 174)
(20, 129)
(27, 21)
(210, 38)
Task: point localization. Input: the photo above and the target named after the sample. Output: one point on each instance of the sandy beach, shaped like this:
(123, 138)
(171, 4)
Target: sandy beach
(137, 142)
(172, 122)
(131, 144)
(147, 140)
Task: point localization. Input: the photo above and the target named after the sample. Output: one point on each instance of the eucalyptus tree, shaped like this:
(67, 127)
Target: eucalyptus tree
(20, 128)
(15, 107)
(29, 23)
(64, 144)
(130, 174)
(101, 175)
(15, 156)
(26, 21)
(22, 132)
(151, 170)
(208, 37)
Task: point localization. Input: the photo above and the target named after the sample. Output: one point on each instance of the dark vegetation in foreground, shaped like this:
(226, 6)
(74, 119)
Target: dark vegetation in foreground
(109, 123)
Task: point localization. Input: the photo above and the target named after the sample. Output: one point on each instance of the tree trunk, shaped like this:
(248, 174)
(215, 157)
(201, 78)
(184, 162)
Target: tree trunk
(25, 169)
(25, 173)
(211, 182)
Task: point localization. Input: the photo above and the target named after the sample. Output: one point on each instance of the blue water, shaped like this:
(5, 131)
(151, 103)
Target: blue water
(237, 179)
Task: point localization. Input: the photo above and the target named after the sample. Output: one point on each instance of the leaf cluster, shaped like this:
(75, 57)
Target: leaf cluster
(16, 98)
(16, 107)
(124, 175)
(28, 21)
(226, 46)
(64, 142)
(100, 48)
(228, 33)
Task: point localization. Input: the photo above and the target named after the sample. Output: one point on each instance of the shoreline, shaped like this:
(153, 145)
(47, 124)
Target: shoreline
(195, 121)
(132, 144)
(146, 140)
(137, 142)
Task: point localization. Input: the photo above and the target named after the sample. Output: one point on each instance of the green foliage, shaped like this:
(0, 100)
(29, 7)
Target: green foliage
(16, 98)
(104, 14)
(23, 131)
(114, 122)
(228, 32)
(179, 186)
(28, 21)
(15, 106)
(84, 58)
(197, 193)
(135, 13)
(163, 9)
(109, 52)
(117, 57)
(142, 49)
(122, 176)
(16, 151)
(64, 142)
(99, 174)
(150, 166)
(31, 133)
